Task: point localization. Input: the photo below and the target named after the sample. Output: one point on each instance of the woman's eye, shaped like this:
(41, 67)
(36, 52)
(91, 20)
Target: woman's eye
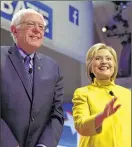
(97, 58)
(108, 59)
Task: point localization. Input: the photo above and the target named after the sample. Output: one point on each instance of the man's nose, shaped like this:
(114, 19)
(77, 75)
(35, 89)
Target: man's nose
(36, 28)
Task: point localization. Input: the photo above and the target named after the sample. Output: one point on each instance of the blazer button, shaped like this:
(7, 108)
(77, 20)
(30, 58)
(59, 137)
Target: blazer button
(32, 118)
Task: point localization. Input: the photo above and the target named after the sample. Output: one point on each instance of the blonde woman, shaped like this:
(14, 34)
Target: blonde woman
(102, 110)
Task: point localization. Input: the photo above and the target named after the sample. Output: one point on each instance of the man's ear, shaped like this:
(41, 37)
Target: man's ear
(13, 30)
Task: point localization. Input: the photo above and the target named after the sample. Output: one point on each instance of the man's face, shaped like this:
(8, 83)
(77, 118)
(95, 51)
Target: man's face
(29, 33)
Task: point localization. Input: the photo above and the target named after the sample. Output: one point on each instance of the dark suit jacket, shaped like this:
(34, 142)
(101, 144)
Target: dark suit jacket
(31, 121)
(6, 137)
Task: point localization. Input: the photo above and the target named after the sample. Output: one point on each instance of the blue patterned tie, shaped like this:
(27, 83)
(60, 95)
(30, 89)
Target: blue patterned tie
(27, 60)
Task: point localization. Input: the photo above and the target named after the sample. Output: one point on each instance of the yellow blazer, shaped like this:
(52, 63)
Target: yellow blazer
(88, 102)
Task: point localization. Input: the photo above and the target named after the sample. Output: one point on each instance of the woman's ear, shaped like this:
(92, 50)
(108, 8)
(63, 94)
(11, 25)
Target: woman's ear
(91, 71)
(92, 76)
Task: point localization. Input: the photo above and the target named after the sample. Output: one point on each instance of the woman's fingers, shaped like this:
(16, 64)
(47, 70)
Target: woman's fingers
(113, 101)
(110, 109)
(116, 108)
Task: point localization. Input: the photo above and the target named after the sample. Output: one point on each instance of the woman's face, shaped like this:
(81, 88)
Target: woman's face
(103, 65)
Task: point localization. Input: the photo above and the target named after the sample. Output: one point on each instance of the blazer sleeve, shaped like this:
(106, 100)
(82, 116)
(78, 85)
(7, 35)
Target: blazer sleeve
(84, 122)
(51, 135)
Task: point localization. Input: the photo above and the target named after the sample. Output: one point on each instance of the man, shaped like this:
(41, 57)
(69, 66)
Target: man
(32, 90)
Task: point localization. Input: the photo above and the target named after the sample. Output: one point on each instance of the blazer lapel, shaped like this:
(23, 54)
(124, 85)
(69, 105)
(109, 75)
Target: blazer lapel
(44, 81)
(37, 73)
(19, 67)
(38, 88)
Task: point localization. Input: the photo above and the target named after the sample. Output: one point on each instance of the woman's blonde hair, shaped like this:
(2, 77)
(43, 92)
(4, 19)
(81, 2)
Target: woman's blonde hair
(91, 54)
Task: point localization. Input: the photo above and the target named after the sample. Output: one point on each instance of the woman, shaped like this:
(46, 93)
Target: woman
(102, 110)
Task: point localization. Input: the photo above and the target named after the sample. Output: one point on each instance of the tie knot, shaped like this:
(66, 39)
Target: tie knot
(27, 59)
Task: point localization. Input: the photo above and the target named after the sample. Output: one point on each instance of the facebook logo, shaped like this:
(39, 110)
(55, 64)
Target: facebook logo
(73, 15)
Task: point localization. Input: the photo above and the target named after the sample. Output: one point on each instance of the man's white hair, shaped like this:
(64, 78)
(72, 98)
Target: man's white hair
(19, 15)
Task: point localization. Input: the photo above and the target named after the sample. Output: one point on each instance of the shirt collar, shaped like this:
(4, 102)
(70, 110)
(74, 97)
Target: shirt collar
(23, 54)
(101, 83)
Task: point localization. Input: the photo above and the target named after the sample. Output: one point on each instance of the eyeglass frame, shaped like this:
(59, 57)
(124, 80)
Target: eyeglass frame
(33, 25)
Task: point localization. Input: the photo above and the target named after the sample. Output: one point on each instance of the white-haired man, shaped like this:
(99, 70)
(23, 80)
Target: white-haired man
(32, 89)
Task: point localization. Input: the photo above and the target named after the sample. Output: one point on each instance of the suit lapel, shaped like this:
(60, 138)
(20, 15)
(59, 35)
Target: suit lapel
(39, 74)
(19, 67)
(44, 81)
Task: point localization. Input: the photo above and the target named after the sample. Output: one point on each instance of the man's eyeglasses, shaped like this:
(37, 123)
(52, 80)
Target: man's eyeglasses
(32, 24)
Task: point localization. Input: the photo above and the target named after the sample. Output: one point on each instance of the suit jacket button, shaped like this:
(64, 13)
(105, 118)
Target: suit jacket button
(32, 118)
